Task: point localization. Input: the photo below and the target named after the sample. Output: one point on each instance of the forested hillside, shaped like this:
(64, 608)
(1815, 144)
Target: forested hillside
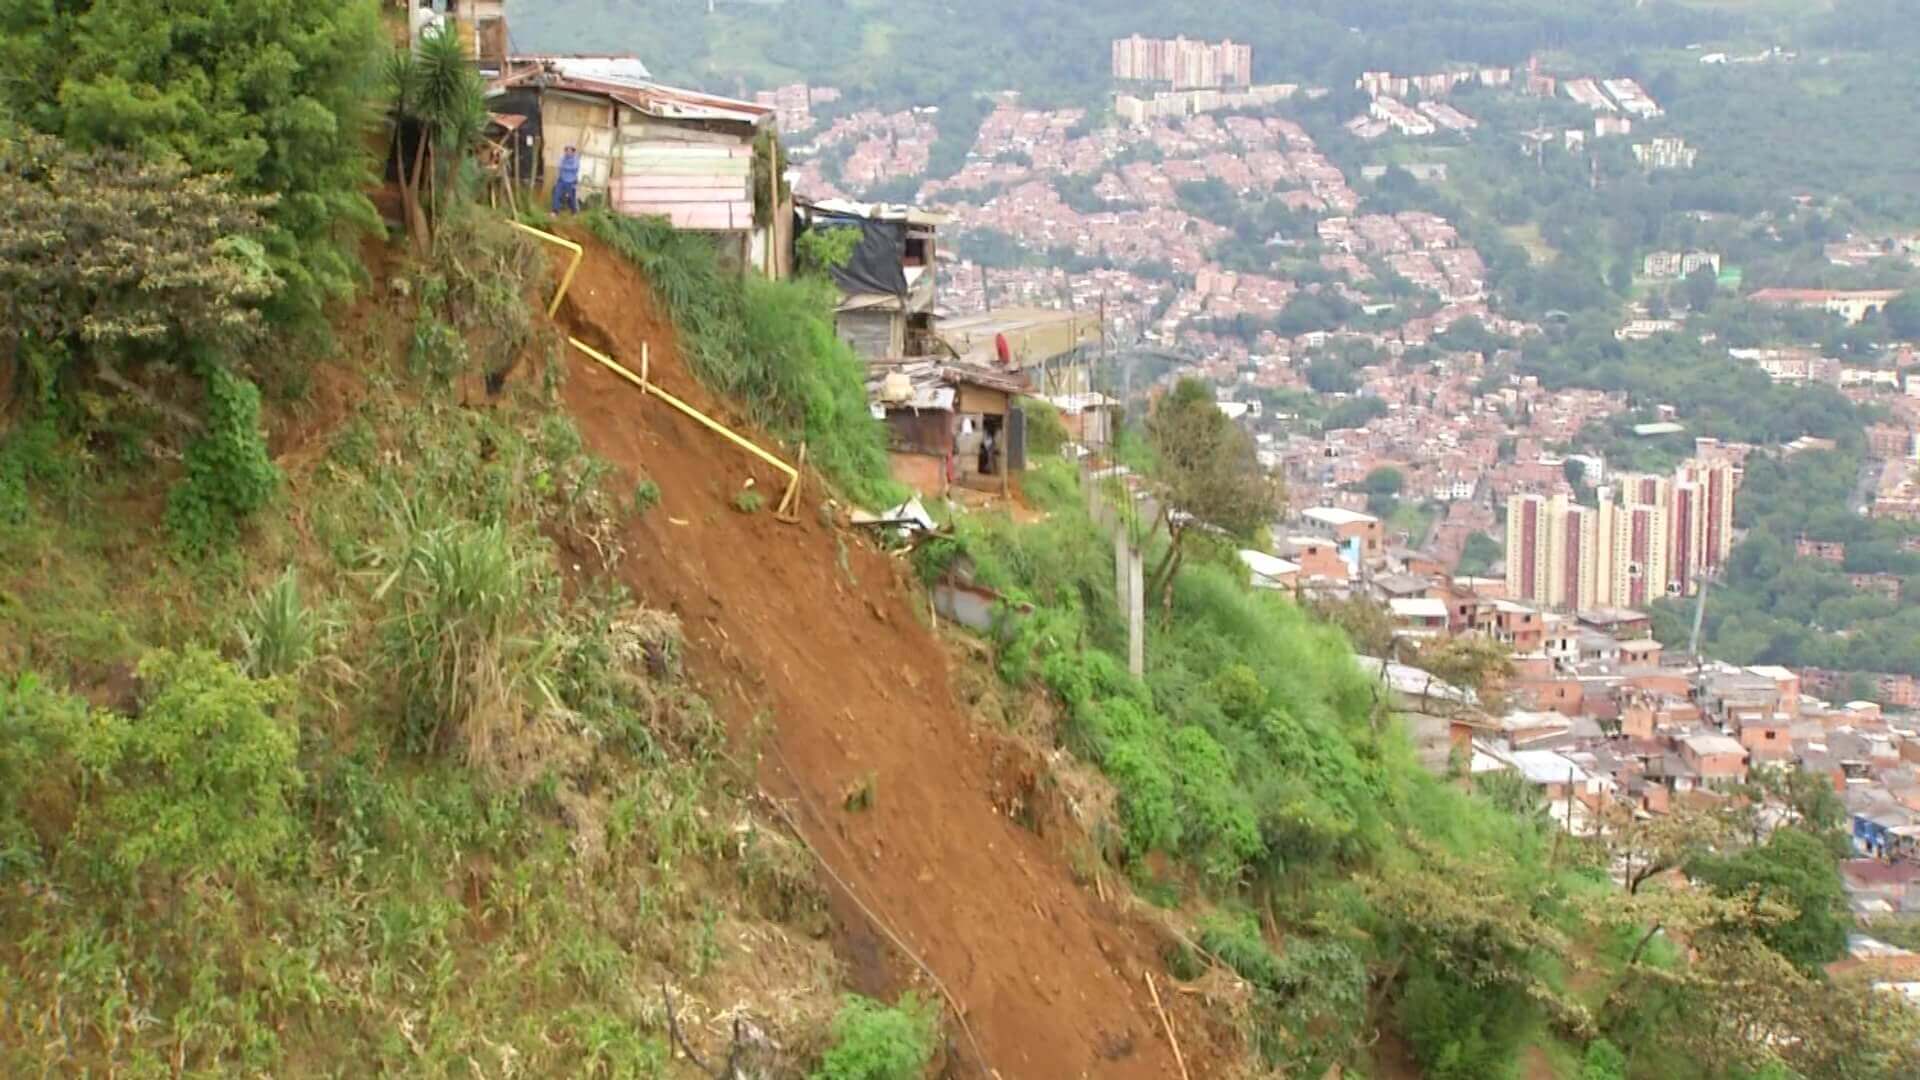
(924, 51)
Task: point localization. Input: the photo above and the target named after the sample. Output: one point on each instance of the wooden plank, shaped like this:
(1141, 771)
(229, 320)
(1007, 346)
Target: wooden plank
(623, 193)
(724, 216)
(648, 180)
(689, 151)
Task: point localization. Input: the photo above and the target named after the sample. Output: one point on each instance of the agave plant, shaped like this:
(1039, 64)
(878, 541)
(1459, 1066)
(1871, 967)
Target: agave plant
(279, 633)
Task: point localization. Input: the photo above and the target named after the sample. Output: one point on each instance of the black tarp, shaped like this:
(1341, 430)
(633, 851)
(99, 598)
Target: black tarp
(524, 102)
(877, 264)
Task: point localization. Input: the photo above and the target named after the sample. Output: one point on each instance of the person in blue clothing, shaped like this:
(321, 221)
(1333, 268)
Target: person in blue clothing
(566, 186)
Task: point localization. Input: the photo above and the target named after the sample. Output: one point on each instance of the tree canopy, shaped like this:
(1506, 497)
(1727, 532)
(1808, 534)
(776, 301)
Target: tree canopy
(272, 93)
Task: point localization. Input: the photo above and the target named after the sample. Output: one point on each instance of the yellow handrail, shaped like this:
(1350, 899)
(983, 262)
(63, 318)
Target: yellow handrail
(785, 510)
(565, 279)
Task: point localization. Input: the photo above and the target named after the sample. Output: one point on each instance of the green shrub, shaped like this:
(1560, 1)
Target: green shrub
(1149, 811)
(1603, 1061)
(200, 780)
(1046, 432)
(1220, 824)
(1459, 1031)
(37, 727)
(646, 496)
(229, 474)
(748, 502)
(1237, 941)
(33, 455)
(874, 1042)
(1029, 639)
(437, 351)
(768, 345)
(819, 250)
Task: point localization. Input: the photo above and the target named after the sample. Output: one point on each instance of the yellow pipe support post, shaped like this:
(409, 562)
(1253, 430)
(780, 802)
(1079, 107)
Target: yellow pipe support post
(560, 241)
(785, 511)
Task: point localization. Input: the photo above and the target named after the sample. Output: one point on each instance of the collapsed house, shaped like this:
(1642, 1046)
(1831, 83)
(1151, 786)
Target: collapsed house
(950, 425)
(888, 285)
(650, 150)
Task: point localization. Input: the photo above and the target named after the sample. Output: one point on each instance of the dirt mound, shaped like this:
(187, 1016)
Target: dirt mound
(806, 641)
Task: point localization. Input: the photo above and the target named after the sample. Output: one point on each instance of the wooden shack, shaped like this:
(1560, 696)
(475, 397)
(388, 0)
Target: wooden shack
(950, 425)
(651, 150)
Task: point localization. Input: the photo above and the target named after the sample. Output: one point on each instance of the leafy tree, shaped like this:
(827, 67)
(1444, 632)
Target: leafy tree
(1478, 555)
(1739, 1008)
(1796, 870)
(1649, 847)
(1354, 412)
(1383, 486)
(1903, 315)
(1209, 476)
(271, 93)
(1368, 625)
(1699, 288)
(1385, 480)
(1476, 663)
(436, 91)
(105, 258)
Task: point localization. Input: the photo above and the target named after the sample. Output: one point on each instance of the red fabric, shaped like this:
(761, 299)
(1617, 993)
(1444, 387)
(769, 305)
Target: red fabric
(1003, 350)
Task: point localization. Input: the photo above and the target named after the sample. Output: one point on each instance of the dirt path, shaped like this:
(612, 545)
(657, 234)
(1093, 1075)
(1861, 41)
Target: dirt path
(805, 641)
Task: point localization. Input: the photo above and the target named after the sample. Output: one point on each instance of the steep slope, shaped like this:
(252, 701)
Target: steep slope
(806, 639)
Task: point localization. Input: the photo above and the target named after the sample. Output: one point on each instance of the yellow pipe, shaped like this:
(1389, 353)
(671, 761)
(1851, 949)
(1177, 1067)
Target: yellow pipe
(565, 279)
(793, 474)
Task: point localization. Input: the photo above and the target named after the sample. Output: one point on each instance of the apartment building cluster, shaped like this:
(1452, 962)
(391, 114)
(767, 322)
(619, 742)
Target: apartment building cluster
(793, 104)
(885, 145)
(1143, 220)
(1187, 64)
(1612, 96)
(1167, 104)
(1386, 114)
(1649, 536)
(1666, 265)
(1665, 152)
(1853, 305)
(1377, 84)
(1422, 247)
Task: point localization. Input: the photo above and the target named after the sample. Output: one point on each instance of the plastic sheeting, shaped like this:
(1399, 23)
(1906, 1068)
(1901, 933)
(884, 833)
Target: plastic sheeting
(877, 264)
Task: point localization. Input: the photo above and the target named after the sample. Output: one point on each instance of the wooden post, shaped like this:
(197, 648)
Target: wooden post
(773, 200)
(1178, 1058)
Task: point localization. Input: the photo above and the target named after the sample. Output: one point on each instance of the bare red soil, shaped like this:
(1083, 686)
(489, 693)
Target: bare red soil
(808, 642)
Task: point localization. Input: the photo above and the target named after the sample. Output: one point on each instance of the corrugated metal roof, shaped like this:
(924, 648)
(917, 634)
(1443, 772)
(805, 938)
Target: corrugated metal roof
(625, 80)
(613, 69)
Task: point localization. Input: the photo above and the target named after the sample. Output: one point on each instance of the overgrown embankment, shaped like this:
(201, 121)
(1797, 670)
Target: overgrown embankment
(766, 347)
(385, 775)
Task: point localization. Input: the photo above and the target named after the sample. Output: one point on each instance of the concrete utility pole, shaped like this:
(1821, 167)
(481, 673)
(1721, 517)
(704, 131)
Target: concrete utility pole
(1136, 612)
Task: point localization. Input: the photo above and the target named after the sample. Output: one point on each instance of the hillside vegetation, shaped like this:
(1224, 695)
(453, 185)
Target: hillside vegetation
(316, 757)
(332, 743)
(925, 52)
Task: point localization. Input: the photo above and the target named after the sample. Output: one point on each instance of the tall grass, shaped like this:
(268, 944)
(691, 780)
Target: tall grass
(279, 631)
(767, 345)
(464, 630)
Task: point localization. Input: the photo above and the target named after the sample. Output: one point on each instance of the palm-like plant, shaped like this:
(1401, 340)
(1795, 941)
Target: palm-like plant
(435, 86)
